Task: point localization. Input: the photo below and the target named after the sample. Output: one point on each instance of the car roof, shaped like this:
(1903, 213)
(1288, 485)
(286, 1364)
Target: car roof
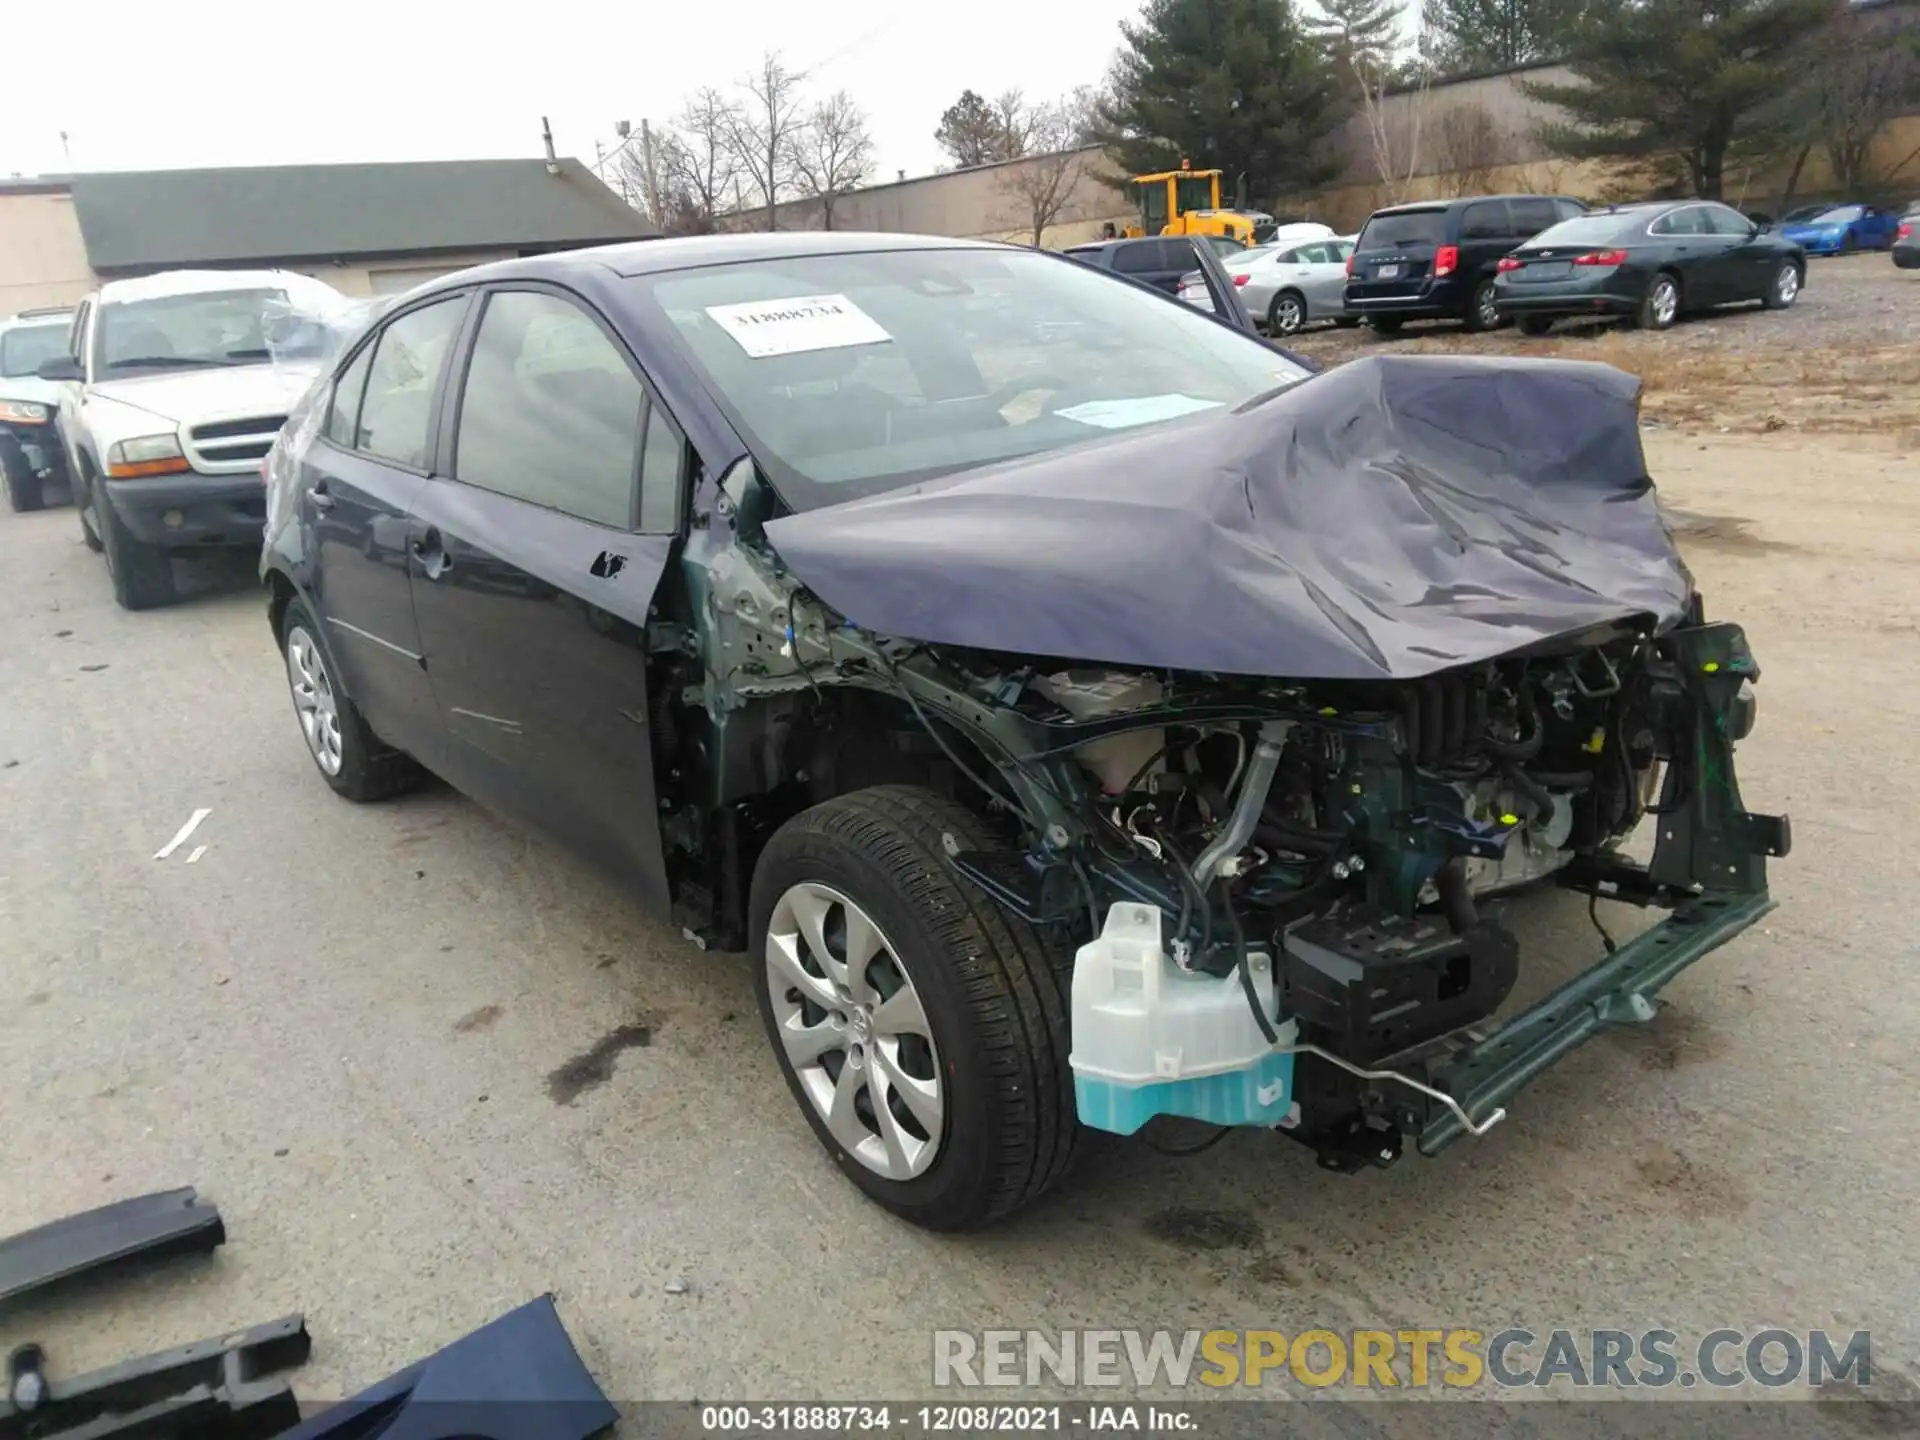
(198, 282)
(1412, 206)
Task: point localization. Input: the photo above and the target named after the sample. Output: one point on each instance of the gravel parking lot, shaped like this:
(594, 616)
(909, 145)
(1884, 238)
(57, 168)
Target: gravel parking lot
(430, 1065)
(1845, 360)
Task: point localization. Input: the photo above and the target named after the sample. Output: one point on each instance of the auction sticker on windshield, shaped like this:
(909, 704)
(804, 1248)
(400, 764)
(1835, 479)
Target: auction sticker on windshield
(1121, 414)
(797, 324)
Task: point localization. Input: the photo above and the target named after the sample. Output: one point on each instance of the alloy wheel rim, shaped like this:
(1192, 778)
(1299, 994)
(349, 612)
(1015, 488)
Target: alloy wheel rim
(1665, 301)
(1788, 285)
(1289, 316)
(1489, 311)
(855, 1031)
(314, 700)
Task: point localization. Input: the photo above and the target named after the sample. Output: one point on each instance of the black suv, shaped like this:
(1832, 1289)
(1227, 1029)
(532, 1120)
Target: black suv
(1156, 260)
(1435, 260)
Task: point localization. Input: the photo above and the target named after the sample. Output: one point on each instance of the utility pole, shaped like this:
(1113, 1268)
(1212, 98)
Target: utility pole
(648, 171)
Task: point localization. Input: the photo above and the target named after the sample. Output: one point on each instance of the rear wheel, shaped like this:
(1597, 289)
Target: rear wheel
(351, 758)
(923, 1030)
(1784, 288)
(1386, 324)
(83, 503)
(1483, 313)
(142, 574)
(23, 484)
(1287, 313)
(1661, 305)
(1534, 324)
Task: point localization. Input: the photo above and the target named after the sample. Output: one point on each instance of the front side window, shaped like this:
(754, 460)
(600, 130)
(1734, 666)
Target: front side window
(852, 374)
(178, 332)
(1722, 221)
(396, 415)
(551, 412)
(25, 346)
(1532, 215)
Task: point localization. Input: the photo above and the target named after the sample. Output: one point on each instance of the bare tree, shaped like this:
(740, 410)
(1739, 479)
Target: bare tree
(1863, 88)
(1393, 131)
(699, 175)
(1018, 124)
(1043, 185)
(832, 153)
(761, 130)
(1468, 145)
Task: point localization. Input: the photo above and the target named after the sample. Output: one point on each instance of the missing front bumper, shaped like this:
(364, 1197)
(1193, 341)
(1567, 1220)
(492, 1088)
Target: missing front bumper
(1617, 992)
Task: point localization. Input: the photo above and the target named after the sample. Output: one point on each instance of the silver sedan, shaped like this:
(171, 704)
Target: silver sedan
(1288, 285)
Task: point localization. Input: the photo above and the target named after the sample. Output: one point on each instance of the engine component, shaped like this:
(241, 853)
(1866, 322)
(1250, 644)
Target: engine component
(1252, 799)
(1368, 984)
(1152, 1039)
(1088, 694)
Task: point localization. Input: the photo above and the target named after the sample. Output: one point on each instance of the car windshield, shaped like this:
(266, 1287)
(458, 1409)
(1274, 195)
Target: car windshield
(1404, 227)
(210, 327)
(852, 374)
(1582, 230)
(1839, 215)
(23, 347)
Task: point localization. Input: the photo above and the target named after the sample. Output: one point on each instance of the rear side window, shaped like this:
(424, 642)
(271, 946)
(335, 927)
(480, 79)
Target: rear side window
(396, 412)
(1532, 215)
(1138, 259)
(1404, 227)
(346, 399)
(1585, 230)
(1486, 220)
(1567, 209)
(551, 412)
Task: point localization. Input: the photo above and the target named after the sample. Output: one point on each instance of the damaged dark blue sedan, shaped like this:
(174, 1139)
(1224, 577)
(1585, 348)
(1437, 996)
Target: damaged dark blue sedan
(1079, 711)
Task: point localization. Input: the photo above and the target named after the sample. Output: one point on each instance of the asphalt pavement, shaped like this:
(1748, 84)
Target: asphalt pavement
(430, 1065)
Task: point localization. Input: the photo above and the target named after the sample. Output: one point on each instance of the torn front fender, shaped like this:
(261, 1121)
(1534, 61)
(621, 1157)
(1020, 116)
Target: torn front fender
(1388, 519)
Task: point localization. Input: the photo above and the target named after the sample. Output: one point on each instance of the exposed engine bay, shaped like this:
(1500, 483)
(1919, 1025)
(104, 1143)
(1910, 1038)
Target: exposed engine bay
(1274, 887)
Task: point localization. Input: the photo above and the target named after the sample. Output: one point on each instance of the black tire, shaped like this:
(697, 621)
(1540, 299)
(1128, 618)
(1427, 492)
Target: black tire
(994, 991)
(23, 485)
(1653, 313)
(370, 769)
(1534, 324)
(1346, 322)
(1290, 318)
(142, 575)
(83, 489)
(1481, 314)
(1386, 324)
(1780, 295)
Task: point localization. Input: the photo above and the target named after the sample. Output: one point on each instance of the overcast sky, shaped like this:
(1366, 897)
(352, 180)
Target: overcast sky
(215, 82)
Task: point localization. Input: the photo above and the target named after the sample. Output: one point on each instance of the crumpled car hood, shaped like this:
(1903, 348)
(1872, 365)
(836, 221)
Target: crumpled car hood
(1387, 519)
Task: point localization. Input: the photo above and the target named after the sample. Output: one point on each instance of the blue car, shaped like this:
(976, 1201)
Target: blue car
(1840, 229)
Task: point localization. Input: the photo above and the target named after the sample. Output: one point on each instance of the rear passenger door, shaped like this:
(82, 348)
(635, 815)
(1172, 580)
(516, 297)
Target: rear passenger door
(1486, 233)
(1159, 263)
(534, 562)
(359, 479)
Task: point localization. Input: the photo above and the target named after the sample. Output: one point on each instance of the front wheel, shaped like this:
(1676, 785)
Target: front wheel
(23, 484)
(1386, 324)
(923, 1030)
(142, 574)
(1784, 288)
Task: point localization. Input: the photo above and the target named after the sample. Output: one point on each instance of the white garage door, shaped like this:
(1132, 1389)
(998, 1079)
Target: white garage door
(392, 282)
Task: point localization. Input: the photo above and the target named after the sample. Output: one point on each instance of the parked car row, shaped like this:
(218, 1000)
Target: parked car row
(1529, 260)
(1058, 786)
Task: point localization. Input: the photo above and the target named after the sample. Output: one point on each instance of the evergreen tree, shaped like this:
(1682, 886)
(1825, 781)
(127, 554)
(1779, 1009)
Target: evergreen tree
(1684, 85)
(1236, 85)
(1363, 33)
(1493, 34)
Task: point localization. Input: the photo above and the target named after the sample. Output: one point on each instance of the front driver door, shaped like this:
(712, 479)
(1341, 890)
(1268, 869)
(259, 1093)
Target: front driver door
(534, 563)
